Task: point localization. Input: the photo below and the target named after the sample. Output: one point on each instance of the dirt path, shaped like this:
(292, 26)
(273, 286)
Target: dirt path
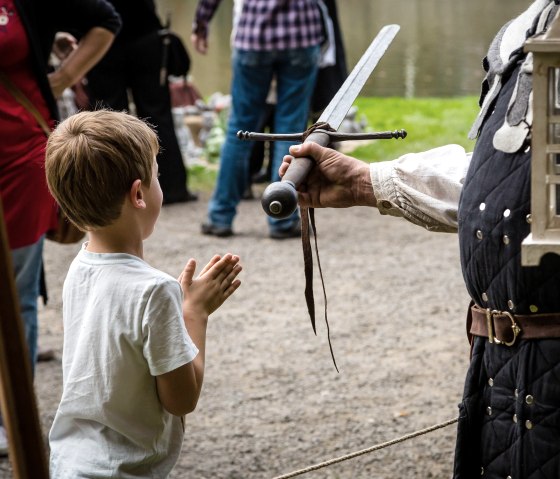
(272, 401)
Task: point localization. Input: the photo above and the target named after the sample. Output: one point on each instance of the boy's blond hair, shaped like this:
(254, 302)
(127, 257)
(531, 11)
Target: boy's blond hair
(92, 159)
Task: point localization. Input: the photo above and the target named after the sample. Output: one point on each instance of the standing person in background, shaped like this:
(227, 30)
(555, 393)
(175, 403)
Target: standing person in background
(133, 63)
(27, 33)
(273, 38)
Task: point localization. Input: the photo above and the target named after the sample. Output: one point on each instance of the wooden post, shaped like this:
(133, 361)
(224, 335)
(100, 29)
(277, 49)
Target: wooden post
(17, 397)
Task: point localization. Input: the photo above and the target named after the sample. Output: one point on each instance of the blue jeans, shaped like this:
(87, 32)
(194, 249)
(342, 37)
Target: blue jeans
(295, 72)
(27, 262)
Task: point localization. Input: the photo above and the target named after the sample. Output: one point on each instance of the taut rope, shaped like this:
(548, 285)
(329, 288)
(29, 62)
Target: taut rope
(368, 450)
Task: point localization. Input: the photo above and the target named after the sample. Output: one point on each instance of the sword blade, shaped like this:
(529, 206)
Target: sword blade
(337, 109)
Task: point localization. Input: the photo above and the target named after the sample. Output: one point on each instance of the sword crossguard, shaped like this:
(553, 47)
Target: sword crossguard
(333, 136)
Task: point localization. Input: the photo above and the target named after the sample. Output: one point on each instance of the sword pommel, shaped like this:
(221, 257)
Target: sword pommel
(279, 199)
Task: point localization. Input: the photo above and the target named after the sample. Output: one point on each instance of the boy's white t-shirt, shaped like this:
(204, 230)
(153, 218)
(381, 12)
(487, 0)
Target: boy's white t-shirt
(123, 325)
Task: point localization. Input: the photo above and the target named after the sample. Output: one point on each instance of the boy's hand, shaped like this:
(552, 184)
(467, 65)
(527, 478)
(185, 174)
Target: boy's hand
(215, 283)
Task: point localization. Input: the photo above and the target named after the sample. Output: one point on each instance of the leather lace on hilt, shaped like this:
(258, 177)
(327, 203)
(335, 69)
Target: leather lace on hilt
(317, 126)
(307, 219)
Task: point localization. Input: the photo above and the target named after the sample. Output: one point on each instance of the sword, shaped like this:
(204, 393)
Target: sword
(279, 199)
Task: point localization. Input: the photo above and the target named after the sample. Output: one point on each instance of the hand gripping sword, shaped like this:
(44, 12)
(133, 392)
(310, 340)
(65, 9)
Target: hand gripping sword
(279, 199)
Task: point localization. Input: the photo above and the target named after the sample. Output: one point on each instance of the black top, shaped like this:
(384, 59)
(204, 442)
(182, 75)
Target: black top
(43, 19)
(139, 18)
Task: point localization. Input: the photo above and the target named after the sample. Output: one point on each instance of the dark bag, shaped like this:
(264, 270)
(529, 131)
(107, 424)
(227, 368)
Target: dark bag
(65, 232)
(175, 59)
(178, 60)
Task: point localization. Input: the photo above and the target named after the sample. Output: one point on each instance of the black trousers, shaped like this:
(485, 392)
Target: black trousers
(134, 65)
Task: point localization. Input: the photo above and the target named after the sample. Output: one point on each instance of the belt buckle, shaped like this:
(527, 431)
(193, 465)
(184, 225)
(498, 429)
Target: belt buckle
(490, 313)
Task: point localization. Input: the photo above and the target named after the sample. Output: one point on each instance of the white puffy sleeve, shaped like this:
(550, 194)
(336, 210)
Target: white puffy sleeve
(423, 188)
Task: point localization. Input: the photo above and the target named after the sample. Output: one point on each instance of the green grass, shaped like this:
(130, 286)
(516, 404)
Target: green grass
(429, 122)
(202, 178)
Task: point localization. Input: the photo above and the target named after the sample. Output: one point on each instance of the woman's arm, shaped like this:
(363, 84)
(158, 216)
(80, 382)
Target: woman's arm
(89, 51)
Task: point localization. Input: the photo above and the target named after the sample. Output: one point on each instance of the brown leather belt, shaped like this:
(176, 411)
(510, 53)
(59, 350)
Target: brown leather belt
(503, 327)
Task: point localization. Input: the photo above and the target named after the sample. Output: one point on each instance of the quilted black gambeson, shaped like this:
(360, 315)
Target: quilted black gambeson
(509, 423)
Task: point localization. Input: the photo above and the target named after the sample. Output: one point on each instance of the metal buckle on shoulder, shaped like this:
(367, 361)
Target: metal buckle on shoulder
(490, 313)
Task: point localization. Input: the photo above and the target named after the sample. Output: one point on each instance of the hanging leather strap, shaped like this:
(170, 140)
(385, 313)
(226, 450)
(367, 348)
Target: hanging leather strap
(307, 219)
(20, 97)
(308, 266)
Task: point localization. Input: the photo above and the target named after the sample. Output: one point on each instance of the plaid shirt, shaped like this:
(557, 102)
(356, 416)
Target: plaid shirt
(265, 25)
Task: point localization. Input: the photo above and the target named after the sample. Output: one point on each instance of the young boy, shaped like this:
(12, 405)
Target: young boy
(134, 337)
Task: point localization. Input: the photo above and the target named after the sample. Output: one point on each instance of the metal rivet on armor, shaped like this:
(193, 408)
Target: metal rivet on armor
(533, 308)
(529, 400)
(506, 239)
(485, 297)
(507, 213)
(479, 234)
(509, 477)
(482, 206)
(516, 393)
(515, 418)
(386, 204)
(510, 304)
(528, 424)
(489, 410)
(529, 219)
(491, 382)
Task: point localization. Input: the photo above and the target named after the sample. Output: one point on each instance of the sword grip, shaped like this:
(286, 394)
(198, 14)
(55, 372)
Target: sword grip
(279, 199)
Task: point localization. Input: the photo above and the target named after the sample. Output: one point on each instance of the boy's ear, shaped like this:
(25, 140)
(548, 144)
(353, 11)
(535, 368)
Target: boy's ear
(136, 195)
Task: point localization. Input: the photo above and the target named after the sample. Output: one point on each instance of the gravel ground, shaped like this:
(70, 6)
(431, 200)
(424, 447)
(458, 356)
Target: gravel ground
(272, 401)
